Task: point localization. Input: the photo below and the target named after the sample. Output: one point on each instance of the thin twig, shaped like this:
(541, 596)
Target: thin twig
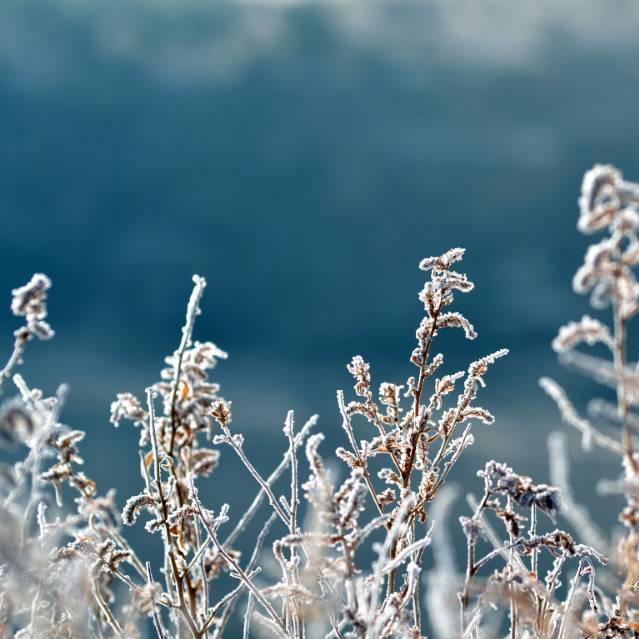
(273, 477)
(228, 439)
(187, 331)
(234, 565)
(22, 337)
(346, 425)
(156, 617)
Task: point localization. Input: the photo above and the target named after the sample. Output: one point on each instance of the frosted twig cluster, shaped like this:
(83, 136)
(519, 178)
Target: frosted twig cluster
(357, 550)
(394, 472)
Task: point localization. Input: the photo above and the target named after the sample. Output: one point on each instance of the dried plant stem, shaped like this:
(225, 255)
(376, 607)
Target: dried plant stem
(422, 368)
(622, 402)
(289, 429)
(34, 458)
(349, 572)
(187, 331)
(228, 597)
(471, 563)
(256, 475)
(568, 603)
(513, 597)
(471, 568)
(250, 569)
(570, 416)
(455, 457)
(294, 501)
(133, 559)
(492, 537)
(186, 575)
(336, 628)
(534, 557)
(33, 630)
(416, 601)
(406, 472)
(204, 582)
(247, 617)
(177, 578)
(275, 618)
(106, 611)
(347, 426)
(550, 585)
(157, 623)
(265, 485)
(18, 348)
(273, 477)
(405, 553)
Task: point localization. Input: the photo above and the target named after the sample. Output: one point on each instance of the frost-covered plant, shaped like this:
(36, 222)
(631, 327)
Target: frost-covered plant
(534, 607)
(29, 301)
(57, 566)
(419, 442)
(61, 567)
(321, 588)
(609, 606)
(608, 204)
(69, 571)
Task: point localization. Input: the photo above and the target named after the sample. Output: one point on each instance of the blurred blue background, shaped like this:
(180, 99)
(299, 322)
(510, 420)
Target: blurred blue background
(303, 157)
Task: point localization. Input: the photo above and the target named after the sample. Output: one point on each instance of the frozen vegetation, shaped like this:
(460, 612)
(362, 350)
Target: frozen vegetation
(363, 553)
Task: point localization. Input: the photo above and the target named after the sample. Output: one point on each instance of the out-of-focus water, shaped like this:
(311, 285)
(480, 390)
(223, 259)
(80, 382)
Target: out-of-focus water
(303, 158)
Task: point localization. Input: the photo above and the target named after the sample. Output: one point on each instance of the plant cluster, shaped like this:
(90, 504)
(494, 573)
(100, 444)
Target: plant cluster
(339, 554)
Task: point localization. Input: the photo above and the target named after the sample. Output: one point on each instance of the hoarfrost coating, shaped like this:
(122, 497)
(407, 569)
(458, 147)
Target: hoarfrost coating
(69, 572)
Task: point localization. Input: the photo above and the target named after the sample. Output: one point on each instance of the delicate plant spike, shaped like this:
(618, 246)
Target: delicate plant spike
(29, 301)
